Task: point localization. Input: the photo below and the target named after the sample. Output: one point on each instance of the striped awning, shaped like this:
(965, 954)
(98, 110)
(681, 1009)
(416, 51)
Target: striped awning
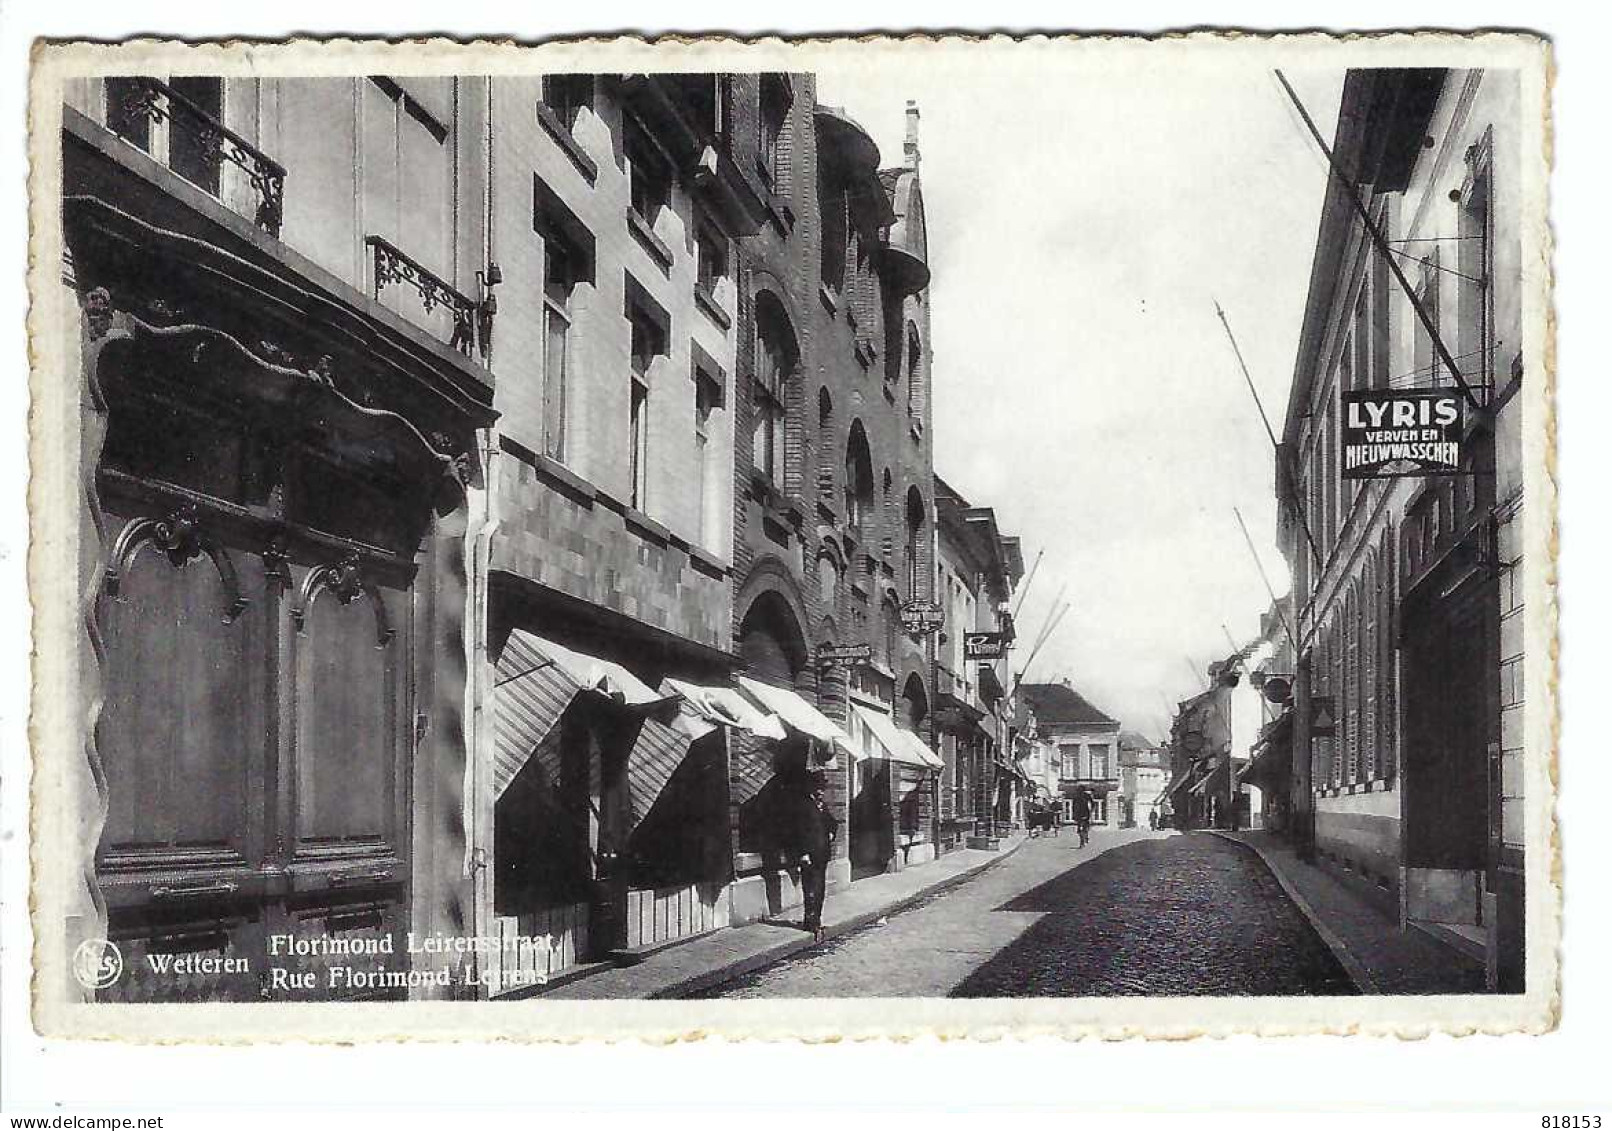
(536, 679)
(656, 753)
(530, 693)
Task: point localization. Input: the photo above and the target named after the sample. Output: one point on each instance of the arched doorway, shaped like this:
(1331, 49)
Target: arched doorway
(771, 642)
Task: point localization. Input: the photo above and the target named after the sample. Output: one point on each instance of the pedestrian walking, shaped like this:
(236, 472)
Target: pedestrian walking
(1153, 820)
(1081, 803)
(819, 827)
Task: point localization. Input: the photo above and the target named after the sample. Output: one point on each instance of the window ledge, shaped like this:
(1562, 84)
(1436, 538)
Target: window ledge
(889, 392)
(640, 227)
(916, 428)
(643, 524)
(563, 137)
(708, 559)
(553, 469)
(827, 296)
(706, 301)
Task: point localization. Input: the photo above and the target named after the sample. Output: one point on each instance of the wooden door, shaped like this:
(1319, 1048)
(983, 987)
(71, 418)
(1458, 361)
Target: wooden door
(1448, 728)
(184, 860)
(256, 756)
(872, 837)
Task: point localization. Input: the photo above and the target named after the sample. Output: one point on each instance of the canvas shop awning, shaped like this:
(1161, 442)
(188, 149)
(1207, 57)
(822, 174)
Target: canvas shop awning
(1215, 778)
(752, 754)
(895, 744)
(704, 708)
(798, 713)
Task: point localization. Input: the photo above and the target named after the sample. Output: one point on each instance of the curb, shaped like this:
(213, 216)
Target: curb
(1352, 966)
(710, 979)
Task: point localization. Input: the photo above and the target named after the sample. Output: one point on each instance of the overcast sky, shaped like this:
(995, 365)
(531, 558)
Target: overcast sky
(1081, 226)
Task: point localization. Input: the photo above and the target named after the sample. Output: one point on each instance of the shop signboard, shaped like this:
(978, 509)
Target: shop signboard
(1396, 433)
(984, 645)
(844, 655)
(919, 618)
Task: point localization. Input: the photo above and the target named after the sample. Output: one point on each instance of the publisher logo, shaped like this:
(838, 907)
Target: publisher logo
(97, 963)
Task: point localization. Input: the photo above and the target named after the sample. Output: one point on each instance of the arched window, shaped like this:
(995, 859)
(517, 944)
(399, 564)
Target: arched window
(825, 410)
(890, 614)
(828, 584)
(915, 358)
(915, 700)
(915, 525)
(775, 359)
(858, 479)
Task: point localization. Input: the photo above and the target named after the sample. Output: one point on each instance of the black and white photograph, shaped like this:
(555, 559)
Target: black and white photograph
(622, 537)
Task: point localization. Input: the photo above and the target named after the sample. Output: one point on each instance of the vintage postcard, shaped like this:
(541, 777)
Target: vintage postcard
(826, 539)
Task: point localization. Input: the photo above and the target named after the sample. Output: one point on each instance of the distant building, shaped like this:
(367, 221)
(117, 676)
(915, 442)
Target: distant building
(1087, 741)
(1144, 769)
(978, 569)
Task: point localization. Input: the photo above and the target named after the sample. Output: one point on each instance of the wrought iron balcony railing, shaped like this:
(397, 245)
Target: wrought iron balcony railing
(394, 266)
(208, 143)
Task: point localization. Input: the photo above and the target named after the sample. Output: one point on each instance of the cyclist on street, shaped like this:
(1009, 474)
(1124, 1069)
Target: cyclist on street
(1081, 803)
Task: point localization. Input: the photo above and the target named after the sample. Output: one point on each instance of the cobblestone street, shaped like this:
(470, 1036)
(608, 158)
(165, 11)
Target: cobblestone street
(1134, 913)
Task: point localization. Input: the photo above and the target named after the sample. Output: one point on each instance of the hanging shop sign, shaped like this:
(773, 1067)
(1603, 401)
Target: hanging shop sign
(844, 655)
(1393, 434)
(984, 645)
(1278, 689)
(1323, 716)
(919, 618)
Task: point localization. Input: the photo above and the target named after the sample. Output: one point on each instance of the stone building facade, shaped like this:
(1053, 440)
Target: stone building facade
(1088, 745)
(276, 423)
(1410, 681)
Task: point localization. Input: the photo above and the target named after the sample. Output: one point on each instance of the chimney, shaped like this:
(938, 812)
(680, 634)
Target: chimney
(910, 149)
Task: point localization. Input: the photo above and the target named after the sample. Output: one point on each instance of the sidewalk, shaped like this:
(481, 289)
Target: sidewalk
(688, 968)
(1379, 957)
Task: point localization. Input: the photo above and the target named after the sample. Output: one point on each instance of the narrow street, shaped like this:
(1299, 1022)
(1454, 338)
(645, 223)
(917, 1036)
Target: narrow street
(1133, 913)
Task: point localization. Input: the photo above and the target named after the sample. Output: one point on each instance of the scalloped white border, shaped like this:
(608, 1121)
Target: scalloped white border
(54, 528)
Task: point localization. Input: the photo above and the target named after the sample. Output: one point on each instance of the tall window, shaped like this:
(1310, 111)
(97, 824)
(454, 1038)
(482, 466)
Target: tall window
(559, 279)
(711, 253)
(1424, 356)
(1475, 344)
(567, 96)
(775, 99)
(707, 397)
(188, 154)
(774, 361)
(648, 340)
(915, 357)
(831, 206)
(915, 524)
(1099, 760)
(858, 480)
(699, 97)
(1348, 693)
(828, 585)
(650, 175)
